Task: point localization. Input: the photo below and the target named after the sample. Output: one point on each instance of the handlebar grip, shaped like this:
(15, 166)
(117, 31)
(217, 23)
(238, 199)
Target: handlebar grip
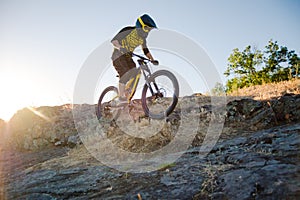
(155, 62)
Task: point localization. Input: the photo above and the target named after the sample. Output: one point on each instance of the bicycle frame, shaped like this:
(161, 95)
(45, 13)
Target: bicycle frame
(133, 82)
(152, 95)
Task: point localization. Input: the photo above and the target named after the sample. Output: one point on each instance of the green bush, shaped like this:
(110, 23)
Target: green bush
(255, 67)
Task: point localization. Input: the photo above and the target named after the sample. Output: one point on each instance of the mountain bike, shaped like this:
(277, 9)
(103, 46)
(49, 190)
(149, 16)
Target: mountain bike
(159, 95)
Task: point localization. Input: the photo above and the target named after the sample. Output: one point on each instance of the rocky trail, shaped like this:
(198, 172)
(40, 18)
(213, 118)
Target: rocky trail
(264, 165)
(256, 155)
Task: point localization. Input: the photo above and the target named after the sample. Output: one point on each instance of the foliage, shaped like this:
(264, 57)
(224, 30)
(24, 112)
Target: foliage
(218, 90)
(255, 67)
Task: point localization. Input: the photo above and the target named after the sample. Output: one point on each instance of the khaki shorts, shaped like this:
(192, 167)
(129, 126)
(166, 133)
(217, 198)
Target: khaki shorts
(123, 64)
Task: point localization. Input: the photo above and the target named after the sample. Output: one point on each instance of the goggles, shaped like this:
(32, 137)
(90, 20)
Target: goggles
(145, 27)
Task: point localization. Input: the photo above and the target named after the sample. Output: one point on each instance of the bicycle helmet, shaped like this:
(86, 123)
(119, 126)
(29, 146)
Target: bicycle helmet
(145, 22)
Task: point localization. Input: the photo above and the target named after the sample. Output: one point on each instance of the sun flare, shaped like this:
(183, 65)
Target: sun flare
(38, 113)
(16, 92)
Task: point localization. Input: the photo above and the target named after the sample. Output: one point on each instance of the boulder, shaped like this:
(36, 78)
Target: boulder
(37, 128)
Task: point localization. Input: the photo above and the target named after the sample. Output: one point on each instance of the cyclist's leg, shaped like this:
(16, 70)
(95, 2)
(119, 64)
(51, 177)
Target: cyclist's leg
(128, 67)
(123, 65)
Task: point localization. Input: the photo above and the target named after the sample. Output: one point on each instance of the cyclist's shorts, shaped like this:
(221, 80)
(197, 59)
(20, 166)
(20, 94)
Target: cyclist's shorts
(124, 64)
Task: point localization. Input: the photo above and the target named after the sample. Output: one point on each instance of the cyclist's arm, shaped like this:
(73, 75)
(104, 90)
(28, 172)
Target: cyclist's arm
(147, 52)
(149, 56)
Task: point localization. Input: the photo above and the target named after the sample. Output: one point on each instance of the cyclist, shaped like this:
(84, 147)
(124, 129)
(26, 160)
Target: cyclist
(124, 44)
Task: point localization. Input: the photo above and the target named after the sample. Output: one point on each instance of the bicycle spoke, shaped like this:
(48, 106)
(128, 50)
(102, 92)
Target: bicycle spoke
(105, 108)
(163, 101)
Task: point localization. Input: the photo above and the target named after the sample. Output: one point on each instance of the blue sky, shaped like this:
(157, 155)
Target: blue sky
(43, 44)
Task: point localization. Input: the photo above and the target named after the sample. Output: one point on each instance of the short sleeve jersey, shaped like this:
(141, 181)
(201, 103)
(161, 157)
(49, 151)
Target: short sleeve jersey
(129, 38)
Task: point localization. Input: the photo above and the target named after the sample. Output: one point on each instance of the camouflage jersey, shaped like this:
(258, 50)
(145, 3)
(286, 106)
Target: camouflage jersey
(130, 38)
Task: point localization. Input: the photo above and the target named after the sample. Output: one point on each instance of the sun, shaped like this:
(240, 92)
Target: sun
(15, 92)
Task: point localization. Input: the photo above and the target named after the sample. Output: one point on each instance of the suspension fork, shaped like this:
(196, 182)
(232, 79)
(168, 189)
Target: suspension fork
(159, 93)
(155, 93)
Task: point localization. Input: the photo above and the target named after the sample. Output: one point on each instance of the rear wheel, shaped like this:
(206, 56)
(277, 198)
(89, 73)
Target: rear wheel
(104, 108)
(163, 100)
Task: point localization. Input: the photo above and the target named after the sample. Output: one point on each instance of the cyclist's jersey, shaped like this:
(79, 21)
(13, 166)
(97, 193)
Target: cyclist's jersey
(129, 39)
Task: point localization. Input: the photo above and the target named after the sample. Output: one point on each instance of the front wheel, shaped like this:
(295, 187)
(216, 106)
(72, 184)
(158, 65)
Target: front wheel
(160, 94)
(104, 108)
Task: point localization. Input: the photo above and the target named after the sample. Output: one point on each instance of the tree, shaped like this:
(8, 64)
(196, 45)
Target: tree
(244, 65)
(218, 90)
(276, 65)
(232, 84)
(254, 67)
(294, 62)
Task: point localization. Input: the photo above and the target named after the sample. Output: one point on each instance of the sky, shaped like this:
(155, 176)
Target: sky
(43, 44)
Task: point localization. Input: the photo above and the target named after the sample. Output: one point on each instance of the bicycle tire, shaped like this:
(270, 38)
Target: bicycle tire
(102, 106)
(174, 95)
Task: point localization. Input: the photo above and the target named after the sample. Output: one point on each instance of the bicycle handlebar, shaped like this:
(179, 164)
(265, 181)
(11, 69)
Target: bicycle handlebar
(154, 62)
(141, 57)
